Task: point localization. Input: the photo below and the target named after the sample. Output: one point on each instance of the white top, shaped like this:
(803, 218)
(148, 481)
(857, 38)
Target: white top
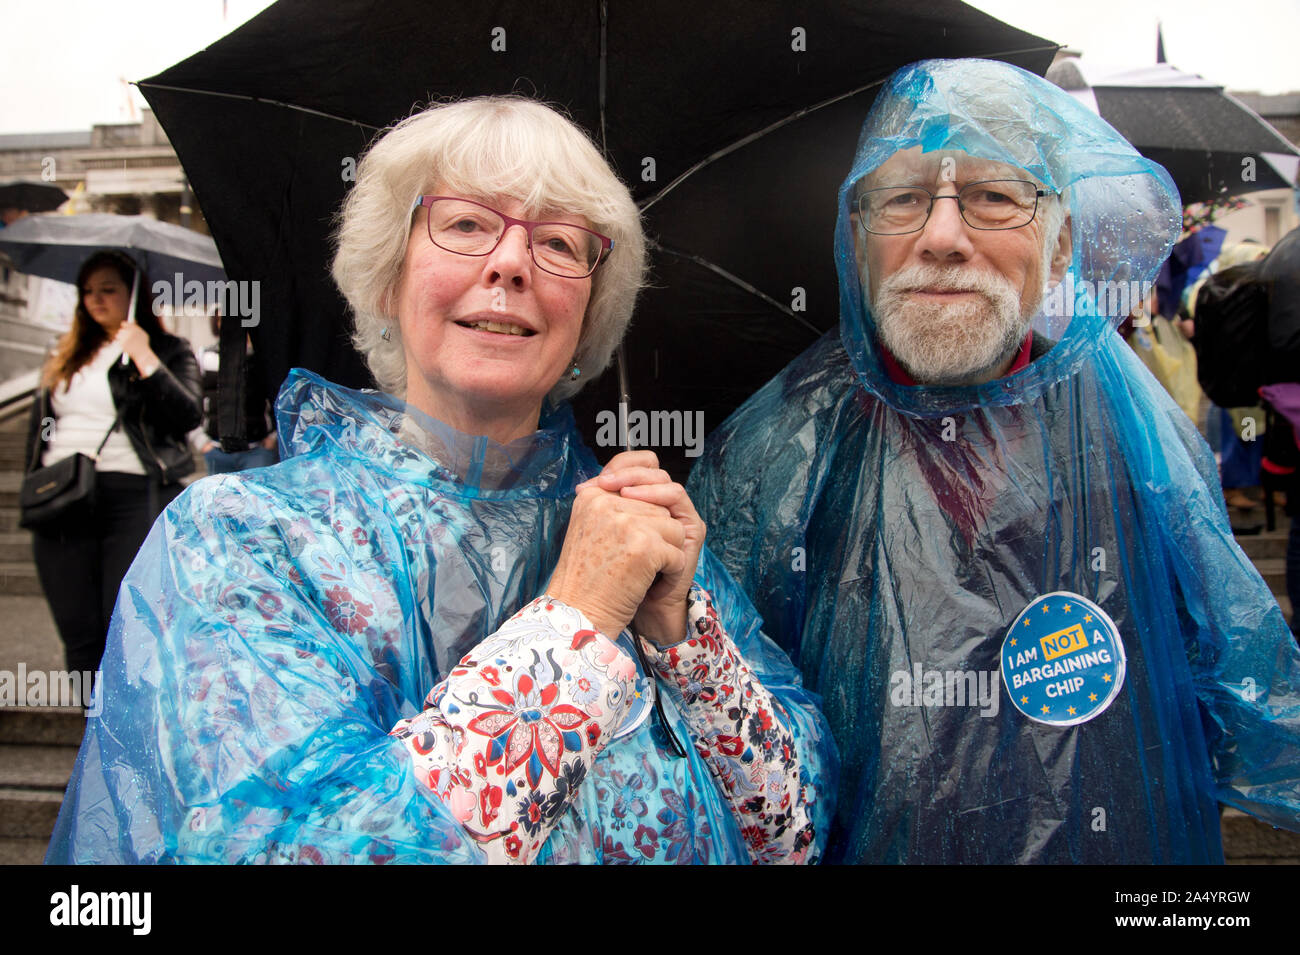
(85, 411)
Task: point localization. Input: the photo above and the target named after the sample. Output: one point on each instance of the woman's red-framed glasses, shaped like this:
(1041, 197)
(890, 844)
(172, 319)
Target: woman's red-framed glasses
(467, 227)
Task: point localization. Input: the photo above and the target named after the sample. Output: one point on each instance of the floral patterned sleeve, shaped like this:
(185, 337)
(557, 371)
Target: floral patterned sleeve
(741, 732)
(511, 732)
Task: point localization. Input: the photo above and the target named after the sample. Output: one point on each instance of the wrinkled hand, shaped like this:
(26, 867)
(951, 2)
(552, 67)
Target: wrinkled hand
(636, 475)
(134, 341)
(614, 548)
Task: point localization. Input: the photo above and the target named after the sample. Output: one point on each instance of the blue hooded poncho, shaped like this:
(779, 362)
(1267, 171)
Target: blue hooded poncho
(891, 536)
(278, 623)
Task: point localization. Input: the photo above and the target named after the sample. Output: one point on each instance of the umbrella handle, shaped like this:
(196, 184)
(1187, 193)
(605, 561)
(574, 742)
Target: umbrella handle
(130, 309)
(624, 399)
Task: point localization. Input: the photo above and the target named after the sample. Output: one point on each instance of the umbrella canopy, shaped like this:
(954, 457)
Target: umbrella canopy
(31, 196)
(54, 247)
(732, 133)
(1211, 143)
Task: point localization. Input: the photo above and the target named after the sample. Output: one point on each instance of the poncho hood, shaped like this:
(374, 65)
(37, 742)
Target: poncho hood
(1124, 211)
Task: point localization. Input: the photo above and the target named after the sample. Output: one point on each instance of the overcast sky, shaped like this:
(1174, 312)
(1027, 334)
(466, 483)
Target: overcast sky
(65, 61)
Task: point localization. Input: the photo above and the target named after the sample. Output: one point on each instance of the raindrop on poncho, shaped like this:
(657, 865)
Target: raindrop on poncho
(278, 623)
(890, 535)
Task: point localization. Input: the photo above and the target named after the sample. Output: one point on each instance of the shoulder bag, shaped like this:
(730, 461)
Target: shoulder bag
(62, 491)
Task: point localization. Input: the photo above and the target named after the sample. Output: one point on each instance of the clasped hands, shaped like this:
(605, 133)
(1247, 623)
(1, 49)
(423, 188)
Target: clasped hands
(630, 551)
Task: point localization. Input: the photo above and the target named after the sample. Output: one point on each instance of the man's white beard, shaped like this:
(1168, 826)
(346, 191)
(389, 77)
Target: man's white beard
(949, 343)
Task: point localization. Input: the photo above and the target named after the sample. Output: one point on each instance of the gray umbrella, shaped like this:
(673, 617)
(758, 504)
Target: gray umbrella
(54, 247)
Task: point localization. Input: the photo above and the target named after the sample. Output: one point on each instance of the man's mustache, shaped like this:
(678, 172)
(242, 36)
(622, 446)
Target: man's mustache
(920, 278)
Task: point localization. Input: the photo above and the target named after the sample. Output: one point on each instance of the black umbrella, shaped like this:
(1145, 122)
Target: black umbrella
(1211, 143)
(732, 122)
(31, 196)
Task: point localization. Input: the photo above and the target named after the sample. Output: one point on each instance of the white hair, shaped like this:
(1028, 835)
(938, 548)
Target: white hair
(483, 148)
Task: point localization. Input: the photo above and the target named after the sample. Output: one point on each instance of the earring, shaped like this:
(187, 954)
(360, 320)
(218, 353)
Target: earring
(575, 372)
(385, 335)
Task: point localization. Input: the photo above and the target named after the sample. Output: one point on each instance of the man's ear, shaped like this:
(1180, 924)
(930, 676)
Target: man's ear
(1063, 255)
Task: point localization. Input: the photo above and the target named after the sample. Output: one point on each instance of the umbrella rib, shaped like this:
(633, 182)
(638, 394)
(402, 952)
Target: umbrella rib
(257, 99)
(735, 280)
(604, 22)
(797, 114)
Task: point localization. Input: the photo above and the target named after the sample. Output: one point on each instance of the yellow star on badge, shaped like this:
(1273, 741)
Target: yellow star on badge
(1092, 697)
(1045, 607)
(1087, 618)
(1024, 699)
(1066, 608)
(1026, 621)
(1070, 710)
(1046, 709)
(1013, 641)
(1106, 677)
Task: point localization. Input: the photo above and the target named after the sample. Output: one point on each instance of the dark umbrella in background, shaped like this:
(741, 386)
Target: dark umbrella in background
(31, 196)
(1212, 144)
(732, 122)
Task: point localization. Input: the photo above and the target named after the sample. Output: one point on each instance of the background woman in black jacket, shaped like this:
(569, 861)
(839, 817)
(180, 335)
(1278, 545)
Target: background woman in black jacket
(155, 398)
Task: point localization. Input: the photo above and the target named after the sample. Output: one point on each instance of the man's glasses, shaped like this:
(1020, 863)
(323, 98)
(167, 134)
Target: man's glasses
(991, 204)
(467, 227)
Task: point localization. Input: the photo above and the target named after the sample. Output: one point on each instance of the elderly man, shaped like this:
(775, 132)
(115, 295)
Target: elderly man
(982, 530)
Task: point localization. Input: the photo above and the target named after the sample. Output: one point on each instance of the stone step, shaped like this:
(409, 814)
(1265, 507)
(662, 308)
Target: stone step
(22, 851)
(9, 520)
(1247, 840)
(18, 580)
(10, 482)
(1265, 545)
(42, 725)
(15, 547)
(29, 813)
(35, 767)
(1273, 570)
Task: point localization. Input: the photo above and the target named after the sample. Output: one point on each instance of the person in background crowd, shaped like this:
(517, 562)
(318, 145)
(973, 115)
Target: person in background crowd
(259, 420)
(1236, 433)
(149, 403)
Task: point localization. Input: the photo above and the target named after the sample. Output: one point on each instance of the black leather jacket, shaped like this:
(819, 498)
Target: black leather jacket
(157, 412)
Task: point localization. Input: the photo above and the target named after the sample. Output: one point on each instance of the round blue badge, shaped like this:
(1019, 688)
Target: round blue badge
(1062, 660)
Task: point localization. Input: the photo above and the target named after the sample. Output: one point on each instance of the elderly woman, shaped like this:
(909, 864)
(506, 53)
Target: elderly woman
(416, 638)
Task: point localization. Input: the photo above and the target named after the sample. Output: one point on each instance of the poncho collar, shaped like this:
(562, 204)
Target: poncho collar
(396, 439)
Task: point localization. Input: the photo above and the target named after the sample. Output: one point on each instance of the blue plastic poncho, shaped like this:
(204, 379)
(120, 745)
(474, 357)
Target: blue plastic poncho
(891, 536)
(278, 623)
